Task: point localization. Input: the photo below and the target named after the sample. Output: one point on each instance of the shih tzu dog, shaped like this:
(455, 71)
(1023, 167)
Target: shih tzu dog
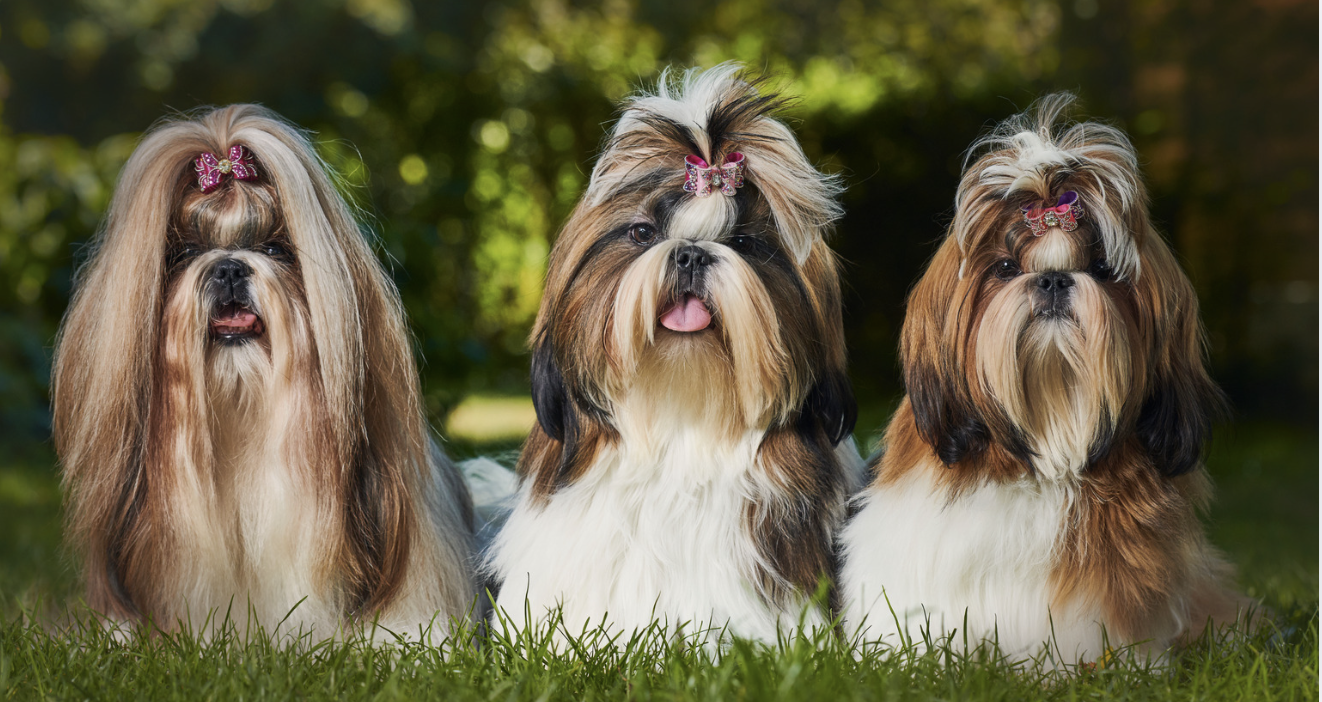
(236, 403)
(691, 457)
(1042, 478)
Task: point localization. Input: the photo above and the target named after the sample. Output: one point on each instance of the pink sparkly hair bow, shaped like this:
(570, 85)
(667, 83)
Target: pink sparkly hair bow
(702, 179)
(1065, 214)
(210, 170)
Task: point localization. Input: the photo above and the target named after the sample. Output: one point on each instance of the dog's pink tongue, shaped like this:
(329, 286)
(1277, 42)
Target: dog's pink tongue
(687, 315)
(240, 320)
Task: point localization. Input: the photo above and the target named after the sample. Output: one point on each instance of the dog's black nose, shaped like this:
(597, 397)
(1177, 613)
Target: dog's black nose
(692, 258)
(1053, 298)
(227, 280)
(1055, 282)
(230, 272)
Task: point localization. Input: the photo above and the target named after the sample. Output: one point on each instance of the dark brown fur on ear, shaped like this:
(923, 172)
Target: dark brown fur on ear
(568, 434)
(795, 534)
(1175, 418)
(933, 345)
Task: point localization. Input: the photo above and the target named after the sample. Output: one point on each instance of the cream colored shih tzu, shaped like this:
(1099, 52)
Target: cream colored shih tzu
(236, 402)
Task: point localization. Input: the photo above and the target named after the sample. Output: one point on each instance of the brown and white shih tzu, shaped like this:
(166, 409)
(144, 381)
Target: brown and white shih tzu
(1042, 478)
(237, 406)
(691, 456)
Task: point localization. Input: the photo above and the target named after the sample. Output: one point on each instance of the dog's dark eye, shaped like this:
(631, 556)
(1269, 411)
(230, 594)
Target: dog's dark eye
(274, 249)
(642, 234)
(742, 242)
(1006, 269)
(183, 253)
(1100, 269)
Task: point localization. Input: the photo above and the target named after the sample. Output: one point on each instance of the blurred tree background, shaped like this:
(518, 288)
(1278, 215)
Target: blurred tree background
(466, 131)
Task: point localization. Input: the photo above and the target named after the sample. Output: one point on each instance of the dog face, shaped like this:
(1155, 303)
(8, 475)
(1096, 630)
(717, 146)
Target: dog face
(688, 297)
(719, 309)
(1049, 344)
(235, 300)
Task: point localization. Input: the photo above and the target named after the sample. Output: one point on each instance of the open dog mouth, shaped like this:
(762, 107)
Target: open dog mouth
(1054, 313)
(686, 315)
(235, 323)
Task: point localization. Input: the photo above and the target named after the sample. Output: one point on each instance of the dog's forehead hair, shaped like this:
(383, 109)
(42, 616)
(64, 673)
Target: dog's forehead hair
(703, 218)
(682, 215)
(1054, 250)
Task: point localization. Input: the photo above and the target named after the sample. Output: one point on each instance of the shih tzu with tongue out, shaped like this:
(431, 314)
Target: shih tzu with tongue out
(1041, 481)
(691, 455)
(236, 403)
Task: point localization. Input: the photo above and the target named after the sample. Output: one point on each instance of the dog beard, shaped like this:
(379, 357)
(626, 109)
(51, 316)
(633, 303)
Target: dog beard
(238, 364)
(732, 373)
(1061, 371)
(240, 337)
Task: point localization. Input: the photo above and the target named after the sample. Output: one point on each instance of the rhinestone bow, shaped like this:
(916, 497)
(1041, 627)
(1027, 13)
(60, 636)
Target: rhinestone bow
(211, 170)
(1065, 214)
(702, 178)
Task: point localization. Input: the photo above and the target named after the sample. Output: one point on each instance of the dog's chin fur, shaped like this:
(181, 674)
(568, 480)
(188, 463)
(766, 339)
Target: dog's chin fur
(276, 474)
(690, 478)
(1041, 480)
(1061, 379)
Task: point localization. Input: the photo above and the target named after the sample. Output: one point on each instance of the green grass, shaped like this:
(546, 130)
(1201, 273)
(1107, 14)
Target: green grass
(1265, 519)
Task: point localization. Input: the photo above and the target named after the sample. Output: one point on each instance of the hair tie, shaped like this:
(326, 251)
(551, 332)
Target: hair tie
(1065, 214)
(701, 178)
(211, 170)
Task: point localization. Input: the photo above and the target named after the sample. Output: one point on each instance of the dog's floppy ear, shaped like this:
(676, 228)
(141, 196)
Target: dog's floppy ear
(103, 381)
(831, 405)
(943, 412)
(567, 436)
(549, 397)
(1182, 401)
(943, 417)
(1176, 419)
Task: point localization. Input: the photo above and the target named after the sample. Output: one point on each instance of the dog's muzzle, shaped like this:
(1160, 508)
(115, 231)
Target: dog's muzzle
(688, 311)
(1053, 294)
(232, 321)
(691, 263)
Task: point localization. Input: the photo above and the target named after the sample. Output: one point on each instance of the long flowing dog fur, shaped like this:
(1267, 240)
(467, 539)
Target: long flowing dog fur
(694, 479)
(1041, 480)
(292, 468)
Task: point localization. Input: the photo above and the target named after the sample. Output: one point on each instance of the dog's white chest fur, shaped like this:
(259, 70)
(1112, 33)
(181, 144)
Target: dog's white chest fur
(649, 533)
(978, 565)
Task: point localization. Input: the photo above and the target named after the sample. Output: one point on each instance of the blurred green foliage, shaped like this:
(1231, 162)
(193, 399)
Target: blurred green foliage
(466, 132)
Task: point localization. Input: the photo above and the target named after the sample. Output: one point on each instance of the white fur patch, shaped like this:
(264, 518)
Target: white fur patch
(976, 566)
(1052, 252)
(652, 531)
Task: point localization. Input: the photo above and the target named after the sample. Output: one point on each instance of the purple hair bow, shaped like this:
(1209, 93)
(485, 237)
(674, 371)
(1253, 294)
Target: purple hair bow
(703, 178)
(210, 170)
(1065, 214)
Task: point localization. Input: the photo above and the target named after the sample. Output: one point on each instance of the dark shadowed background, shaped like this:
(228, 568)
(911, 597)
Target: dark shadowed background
(466, 131)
